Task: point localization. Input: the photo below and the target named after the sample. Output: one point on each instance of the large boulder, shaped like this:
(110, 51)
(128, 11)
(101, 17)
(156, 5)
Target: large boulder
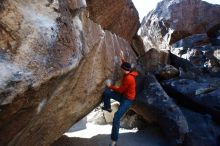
(138, 45)
(195, 40)
(199, 96)
(173, 20)
(155, 106)
(203, 130)
(54, 61)
(214, 35)
(152, 59)
(118, 16)
(167, 72)
(198, 51)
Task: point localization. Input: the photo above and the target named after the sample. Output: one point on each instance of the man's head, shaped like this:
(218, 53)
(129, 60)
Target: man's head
(126, 67)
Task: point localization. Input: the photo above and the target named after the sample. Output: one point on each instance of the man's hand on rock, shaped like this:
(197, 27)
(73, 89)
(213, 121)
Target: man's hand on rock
(108, 83)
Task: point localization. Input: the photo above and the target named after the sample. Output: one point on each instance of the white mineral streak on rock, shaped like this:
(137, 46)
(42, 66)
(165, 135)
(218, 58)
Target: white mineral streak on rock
(46, 26)
(11, 74)
(41, 105)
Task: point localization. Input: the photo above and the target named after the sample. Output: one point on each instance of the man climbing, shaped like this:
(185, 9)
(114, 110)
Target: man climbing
(124, 94)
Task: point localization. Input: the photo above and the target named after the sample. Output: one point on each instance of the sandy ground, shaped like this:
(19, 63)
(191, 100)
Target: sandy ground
(99, 135)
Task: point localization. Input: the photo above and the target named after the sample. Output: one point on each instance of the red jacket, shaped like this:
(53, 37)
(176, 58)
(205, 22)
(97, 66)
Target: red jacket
(128, 86)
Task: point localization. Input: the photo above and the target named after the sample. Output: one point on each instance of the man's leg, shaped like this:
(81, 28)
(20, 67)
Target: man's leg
(124, 106)
(107, 95)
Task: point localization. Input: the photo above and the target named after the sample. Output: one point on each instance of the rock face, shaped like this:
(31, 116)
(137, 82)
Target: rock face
(167, 72)
(118, 16)
(173, 20)
(138, 45)
(198, 51)
(214, 34)
(153, 58)
(203, 130)
(189, 30)
(156, 106)
(53, 61)
(197, 95)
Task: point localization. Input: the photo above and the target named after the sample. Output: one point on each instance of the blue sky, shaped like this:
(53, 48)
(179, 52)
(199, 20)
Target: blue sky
(144, 6)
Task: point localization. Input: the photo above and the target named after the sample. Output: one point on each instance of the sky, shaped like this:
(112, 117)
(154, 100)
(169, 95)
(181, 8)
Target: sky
(144, 6)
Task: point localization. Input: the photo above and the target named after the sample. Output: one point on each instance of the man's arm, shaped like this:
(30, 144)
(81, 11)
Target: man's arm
(120, 89)
(124, 86)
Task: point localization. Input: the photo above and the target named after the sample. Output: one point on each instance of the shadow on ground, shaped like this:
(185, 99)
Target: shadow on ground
(147, 137)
